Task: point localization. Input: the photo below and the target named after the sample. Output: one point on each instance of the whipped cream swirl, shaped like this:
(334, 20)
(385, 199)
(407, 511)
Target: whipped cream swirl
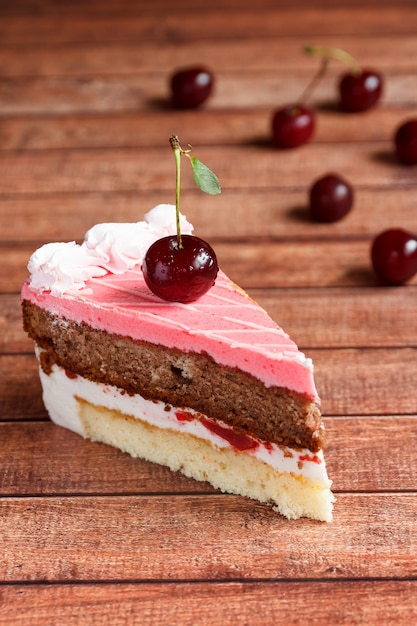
(64, 267)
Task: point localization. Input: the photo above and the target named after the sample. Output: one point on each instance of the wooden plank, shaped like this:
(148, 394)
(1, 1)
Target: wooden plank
(136, 93)
(385, 52)
(209, 127)
(20, 388)
(350, 382)
(142, 24)
(336, 318)
(251, 215)
(13, 339)
(83, 122)
(43, 459)
(342, 318)
(302, 264)
(185, 604)
(125, 7)
(203, 538)
(267, 265)
(362, 381)
(389, 457)
(244, 167)
(15, 269)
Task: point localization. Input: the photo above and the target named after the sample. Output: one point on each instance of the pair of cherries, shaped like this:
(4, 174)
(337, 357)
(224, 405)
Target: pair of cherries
(294, 124)
(359, 90)
(393, 251)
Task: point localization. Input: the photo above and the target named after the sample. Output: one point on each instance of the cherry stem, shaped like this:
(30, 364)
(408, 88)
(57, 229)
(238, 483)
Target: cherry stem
(175, 145)
(306, 95)
(334, 53)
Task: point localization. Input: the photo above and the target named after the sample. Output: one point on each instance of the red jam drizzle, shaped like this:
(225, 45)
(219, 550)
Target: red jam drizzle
(238, 441)
(183, 416)
(308, 457)
(71, 375)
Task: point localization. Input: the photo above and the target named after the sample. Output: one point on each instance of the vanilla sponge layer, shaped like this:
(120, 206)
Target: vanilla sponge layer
(147, 430)
(225, 469)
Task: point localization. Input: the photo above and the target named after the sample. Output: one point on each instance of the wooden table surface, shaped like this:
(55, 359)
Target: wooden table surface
(89, 535)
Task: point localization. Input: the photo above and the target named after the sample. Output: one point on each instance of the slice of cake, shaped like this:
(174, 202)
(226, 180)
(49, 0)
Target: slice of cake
(213, 388)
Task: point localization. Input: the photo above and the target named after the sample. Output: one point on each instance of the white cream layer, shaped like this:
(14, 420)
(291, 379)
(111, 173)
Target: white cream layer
(60, 393)
(64, 267)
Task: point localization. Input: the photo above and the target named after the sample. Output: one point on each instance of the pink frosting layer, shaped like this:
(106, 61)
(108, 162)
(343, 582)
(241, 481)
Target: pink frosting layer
(225, 323)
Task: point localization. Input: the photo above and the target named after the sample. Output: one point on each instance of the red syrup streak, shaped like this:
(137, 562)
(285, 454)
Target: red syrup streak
(71, 375)
(307, 457)
(183, 416)
(238, 441)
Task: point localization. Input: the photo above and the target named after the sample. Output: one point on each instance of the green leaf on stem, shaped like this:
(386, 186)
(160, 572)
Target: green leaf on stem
(205, 179)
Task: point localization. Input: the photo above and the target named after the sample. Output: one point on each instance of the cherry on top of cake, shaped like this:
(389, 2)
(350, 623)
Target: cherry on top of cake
(176, 265)
(107, 248)
(101, 280)
(183, 268)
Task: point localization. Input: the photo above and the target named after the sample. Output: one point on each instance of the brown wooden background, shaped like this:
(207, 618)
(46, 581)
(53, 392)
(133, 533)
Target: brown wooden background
(90, 536)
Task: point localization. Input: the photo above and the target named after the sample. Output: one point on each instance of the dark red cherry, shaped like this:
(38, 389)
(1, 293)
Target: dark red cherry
(292, 126)
(406, 142)
(180, 274)
(394, 256)
(190, 87)
(360, 91)
(331, 197)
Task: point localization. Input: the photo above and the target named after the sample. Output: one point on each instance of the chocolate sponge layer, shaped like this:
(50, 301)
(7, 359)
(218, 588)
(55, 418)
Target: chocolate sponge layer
(177, 378)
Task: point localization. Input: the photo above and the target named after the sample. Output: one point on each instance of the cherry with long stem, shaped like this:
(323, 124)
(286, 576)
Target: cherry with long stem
(181, 268)
(327, 53)
(359, 88)
(175, 145)
(294, 124)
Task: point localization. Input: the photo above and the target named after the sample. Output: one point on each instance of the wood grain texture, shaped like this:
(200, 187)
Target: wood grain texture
(136, 93)
(185, 24)
(274, 214)
(185, 604)
(89, 535)
(20, 389)
(232, 603)
(68, 8)
(93, 538)
(389, 52)
(149, 128)
(13, 339)
(122, 169)
(144, 129)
